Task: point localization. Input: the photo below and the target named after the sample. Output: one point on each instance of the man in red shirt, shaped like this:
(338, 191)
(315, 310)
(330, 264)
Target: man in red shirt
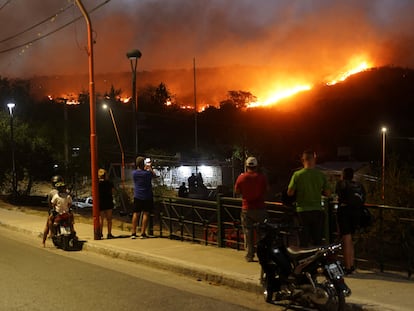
(252, 185)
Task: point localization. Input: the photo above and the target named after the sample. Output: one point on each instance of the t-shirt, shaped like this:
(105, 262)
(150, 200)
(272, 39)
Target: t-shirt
(308, 184)
(105, 195)
(62, 202)
(252, 186)
(142, 184)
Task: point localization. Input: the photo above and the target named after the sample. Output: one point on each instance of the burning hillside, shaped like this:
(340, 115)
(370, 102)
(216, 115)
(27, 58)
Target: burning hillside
(267, 85)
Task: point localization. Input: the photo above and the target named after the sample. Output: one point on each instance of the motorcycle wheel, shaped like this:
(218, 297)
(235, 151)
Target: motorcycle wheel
(65, 243)
(335, 300)
(55, 241)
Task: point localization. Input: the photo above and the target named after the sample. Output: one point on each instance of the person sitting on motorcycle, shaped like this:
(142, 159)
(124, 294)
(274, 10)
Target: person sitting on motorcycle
(50, 218)
(62, 203)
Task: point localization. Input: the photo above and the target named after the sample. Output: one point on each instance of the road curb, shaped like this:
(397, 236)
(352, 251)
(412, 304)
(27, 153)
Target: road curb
(197, 272)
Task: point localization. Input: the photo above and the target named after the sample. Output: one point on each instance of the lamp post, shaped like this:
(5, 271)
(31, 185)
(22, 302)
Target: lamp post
(383, 132)
(133, 56)
(92, 125)
(105, 106)
(11, 106)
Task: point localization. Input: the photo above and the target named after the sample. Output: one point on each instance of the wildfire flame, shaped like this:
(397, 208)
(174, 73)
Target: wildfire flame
(345, 75)
(279, 95)
(355, 66)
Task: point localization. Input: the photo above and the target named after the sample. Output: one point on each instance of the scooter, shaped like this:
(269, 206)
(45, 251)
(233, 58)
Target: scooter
(64, 237)
(311, 277)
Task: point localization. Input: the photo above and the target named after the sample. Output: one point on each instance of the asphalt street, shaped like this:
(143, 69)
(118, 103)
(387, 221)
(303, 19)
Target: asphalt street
(36, 278)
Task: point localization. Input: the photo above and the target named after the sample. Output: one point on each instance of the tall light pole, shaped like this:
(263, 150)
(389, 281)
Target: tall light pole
(383, 132)
(133, 58)
(92, 121)
(105, 106)
(11, 106)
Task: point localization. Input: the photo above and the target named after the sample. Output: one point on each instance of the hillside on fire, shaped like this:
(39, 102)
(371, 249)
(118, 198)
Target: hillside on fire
(348, 114)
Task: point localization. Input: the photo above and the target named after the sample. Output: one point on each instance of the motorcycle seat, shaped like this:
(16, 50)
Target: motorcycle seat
(296, 252)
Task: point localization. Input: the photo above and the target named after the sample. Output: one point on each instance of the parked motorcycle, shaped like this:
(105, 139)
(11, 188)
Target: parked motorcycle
(64, 237)
(311, 277)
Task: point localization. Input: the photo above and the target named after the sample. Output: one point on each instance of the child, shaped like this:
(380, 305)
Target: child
(61, 203)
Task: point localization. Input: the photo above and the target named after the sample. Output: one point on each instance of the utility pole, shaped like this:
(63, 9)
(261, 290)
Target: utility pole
(92, 117)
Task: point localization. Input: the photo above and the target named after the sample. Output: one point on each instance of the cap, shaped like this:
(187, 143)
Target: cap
(101, 173)
(251, 162)
(55, 179)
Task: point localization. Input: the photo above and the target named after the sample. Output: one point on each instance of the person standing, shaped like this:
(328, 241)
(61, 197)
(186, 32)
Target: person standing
(308, 184)
(183, 191)
(143, 197)
(106, 203)
(351, 198)
(252, 185)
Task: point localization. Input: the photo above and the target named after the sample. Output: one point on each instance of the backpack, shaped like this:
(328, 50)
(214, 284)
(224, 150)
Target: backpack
(354, 194)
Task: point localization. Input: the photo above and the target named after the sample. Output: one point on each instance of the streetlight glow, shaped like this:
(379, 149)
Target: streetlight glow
(11, 107)
(384, 129)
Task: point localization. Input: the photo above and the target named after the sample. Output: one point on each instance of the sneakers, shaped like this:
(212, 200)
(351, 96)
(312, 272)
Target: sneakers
(109, 236)
(249, 259)
(142, 236)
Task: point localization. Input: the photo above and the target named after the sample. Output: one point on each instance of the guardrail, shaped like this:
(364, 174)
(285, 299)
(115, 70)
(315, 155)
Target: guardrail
(209, 222)
(388, 243)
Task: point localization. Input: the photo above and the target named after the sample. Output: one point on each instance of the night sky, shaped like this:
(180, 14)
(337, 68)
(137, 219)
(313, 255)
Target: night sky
(310, 38)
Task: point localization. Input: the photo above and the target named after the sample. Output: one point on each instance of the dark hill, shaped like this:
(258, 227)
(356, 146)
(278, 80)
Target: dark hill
(350, 113)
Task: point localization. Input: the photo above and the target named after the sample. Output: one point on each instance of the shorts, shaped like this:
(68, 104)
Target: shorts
(143, 205)
(348, 220)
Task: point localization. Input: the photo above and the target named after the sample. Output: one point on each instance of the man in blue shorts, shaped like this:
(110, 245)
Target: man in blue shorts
(143, 198)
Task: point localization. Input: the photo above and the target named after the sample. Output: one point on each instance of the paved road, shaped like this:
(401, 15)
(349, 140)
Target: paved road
(33, 278)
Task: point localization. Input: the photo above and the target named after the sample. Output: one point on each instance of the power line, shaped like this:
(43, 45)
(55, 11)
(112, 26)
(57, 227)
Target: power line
(37, 24)
(28, 43)
(4, 4)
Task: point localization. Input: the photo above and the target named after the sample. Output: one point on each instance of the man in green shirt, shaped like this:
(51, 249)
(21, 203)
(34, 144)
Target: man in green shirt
(308, 184)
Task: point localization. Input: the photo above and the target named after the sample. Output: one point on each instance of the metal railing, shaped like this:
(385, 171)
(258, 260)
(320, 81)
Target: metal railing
(389, 242)
(209, 222)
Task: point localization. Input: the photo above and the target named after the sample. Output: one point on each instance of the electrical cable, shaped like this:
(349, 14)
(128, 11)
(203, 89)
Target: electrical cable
(4, 4)
(28, 43)
(37, 24)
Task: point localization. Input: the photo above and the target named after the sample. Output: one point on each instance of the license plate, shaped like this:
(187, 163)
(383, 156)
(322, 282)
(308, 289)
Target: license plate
(334, 270)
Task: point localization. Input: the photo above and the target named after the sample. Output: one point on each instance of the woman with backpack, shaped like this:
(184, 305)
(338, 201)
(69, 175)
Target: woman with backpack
(351, 197)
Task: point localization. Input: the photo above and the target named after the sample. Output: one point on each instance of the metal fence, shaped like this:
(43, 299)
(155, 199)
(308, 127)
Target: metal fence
(388, 243)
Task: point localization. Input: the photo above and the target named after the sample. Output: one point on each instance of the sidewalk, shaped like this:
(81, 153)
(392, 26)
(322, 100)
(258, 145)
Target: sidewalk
(371, 291)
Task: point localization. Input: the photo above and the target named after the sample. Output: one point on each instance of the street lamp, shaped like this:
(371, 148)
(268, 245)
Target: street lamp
(92, 125)
(133, 58)
(105, 106)
(11, 106)
(383, 132)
